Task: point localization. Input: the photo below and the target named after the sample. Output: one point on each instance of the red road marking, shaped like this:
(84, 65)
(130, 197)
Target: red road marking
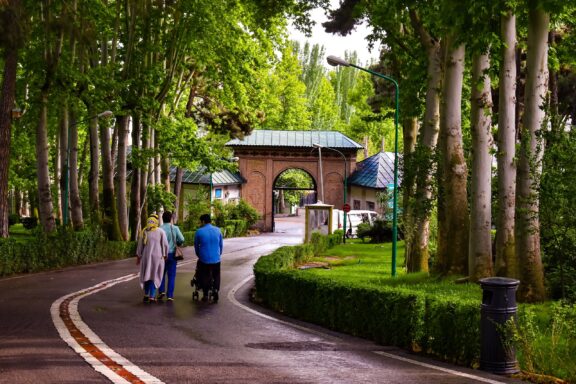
(87, 345)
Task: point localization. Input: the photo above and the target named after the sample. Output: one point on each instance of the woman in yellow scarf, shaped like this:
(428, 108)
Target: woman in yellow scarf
(151, 252)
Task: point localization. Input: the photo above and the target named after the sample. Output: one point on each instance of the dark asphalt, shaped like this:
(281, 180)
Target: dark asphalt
(192, 342)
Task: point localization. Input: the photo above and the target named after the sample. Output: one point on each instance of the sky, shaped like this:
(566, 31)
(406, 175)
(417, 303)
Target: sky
(336, 45)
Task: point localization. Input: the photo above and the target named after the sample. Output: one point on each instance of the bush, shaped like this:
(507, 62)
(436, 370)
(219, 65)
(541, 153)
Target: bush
(29, 222)
(13, 218)
(363, 230)
(390, 315)
(188, 238)
(62, 249)
(380, 232)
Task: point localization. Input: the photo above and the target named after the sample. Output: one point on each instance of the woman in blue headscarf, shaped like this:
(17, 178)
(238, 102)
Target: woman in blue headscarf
(151, 252)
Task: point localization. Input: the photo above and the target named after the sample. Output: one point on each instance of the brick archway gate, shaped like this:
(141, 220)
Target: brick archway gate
(266, 154)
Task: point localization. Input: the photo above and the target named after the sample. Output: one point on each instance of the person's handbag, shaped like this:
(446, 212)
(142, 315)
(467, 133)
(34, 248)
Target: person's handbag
(178, 254)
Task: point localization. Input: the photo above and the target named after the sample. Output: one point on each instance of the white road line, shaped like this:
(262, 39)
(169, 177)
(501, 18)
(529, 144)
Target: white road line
(447, 370)
(231, 297)
(76, 319)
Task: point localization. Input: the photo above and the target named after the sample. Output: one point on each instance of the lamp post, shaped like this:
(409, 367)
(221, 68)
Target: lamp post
(67, 170)
(335, 61)
(316, 145)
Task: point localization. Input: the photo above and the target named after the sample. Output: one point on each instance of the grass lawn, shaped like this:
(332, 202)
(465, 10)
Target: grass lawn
(371, 264)
(19, 233)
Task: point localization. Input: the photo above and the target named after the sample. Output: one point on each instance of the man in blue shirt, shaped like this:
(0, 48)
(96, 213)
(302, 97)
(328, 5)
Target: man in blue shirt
(208, 244)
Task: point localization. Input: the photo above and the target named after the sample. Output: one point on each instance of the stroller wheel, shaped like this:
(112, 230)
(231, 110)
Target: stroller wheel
(195, 296)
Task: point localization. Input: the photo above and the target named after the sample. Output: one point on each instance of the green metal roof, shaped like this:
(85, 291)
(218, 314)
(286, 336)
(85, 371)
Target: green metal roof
(302, 139)
(200, 176)
(375, 172)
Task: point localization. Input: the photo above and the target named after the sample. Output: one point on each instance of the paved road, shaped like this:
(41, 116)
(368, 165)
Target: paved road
(185, 342)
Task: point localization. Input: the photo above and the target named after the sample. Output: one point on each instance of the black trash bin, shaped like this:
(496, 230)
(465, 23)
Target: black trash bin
(498, 306)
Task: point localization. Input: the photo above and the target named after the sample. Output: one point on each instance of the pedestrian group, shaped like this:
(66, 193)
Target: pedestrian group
(156, 256)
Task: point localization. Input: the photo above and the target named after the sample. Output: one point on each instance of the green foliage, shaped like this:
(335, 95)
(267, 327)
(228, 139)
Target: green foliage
(29, 222)
(188, 238)
(159, 198)
(13, 218)
(558, 222)
(61, 249)
(196, 204)
(545, 339)
(390, 314)
(363, 231)
(244, 212)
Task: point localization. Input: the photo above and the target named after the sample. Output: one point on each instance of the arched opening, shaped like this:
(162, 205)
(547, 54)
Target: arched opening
(292, 189)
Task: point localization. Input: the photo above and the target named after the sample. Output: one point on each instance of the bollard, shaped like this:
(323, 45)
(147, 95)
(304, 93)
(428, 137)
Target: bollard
(498, 306)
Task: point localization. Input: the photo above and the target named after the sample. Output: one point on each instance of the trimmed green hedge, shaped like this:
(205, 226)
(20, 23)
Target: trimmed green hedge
(188, 238)
(62, 249)
(445, 327)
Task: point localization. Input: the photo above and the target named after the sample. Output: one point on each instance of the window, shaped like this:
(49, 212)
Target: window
(218, 193)
(356, 204)
(370, 205)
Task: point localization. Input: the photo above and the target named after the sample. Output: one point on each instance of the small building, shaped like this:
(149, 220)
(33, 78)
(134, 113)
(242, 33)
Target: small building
(372, 175)
(222, 186)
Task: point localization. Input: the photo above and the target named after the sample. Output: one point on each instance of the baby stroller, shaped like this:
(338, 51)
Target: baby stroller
(210, 294)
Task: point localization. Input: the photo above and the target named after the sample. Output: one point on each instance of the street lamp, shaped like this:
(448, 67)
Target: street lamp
(335, 61)
(67, 166)
(316, 145)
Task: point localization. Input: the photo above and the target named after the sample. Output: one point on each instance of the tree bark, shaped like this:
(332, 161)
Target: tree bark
(418, 255)
(455, 171)
(121, 197)
(135, 181)
(75, 201)
(480, 245)
(94, 167)
(530, 160)
(506, 262)
(45, 206)
(6, 105)
(109, 209)
(177, 192)
(61, 163)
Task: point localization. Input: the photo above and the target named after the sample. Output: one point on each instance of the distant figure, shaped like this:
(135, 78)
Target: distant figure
(151, 252)
(175, 238)
(208, 244)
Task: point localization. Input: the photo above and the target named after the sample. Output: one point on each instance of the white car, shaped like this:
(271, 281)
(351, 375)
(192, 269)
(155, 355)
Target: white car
(353, 218)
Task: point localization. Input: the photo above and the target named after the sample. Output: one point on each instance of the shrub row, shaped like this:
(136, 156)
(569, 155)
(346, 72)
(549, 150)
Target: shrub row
(188, 238)
(447, 328)
(65, 248)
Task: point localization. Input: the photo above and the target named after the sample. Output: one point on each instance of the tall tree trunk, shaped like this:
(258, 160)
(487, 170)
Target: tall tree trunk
(480, 245)
(135, 180)
(122, 129)
(506, 262)
(45, 206)
(94, 193)
(530, 159)
(177, 192)
(455, 171)
(61, 163)
(109, 209)
(75, 201)
(6, 105)
(418, 255)
(144, 177)
(410, 132)
(165, 174)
